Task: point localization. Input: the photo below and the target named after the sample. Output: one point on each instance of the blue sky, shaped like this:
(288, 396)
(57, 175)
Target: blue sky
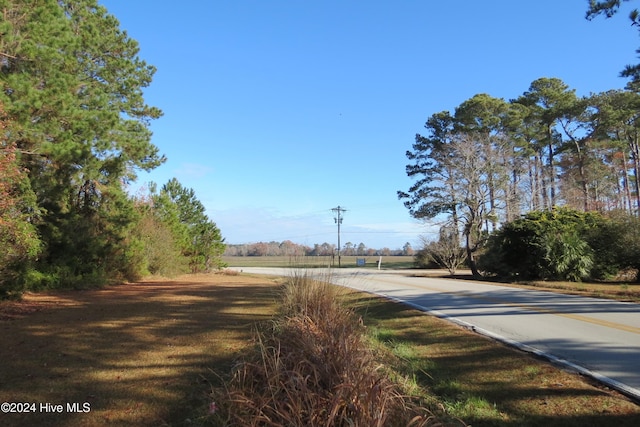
(277, 111)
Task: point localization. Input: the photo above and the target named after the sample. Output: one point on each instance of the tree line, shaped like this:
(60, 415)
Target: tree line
(544, 185)
(74, 133)
(289, 248)
(491, 161)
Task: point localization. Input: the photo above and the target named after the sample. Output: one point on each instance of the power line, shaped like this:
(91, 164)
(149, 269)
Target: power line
(338, 219)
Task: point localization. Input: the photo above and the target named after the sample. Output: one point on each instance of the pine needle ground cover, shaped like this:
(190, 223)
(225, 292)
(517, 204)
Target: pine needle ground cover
(139, 354)
(151, 353)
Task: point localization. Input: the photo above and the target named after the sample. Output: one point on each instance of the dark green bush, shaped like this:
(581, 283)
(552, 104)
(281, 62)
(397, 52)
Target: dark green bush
(616, 245)
(546, 245)
(422, 260)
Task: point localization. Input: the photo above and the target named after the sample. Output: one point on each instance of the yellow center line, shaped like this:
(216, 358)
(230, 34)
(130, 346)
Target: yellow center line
(606, 323)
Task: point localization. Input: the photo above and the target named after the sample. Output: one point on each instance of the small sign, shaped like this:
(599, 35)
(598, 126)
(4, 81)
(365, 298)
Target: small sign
(360, 262)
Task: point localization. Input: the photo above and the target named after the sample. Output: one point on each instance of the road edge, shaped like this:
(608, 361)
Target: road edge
(630, 392)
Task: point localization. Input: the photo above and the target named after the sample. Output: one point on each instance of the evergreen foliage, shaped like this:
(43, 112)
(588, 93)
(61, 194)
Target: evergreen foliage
(161, 252)
(75, 132)
(616, 245)
(563, 244)
(492, 161)
(72, 89)
(198, 238)
(608, 8)
(18, 236)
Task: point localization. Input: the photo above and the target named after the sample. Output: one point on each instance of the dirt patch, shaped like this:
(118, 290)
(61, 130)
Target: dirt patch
(136, 354)
(11, 310)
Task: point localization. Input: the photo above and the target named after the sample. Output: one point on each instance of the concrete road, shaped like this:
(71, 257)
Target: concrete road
(597, 337)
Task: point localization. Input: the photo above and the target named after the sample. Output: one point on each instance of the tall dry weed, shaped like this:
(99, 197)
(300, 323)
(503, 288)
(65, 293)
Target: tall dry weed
(314, 368)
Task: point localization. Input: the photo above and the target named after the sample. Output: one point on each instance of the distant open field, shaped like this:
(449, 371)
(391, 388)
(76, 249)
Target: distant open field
(317, 261)
(621, 291)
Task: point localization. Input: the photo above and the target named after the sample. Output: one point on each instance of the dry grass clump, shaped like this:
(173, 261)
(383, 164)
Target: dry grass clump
(315, 368)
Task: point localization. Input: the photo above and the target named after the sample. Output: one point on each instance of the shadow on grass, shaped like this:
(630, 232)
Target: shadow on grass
(515, 388)
(138, 354)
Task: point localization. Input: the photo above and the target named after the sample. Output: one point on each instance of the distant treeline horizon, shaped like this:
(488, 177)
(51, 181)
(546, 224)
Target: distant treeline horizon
(289, 248)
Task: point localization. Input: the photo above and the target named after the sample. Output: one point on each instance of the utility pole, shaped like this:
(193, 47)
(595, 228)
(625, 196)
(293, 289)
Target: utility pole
(338, 219)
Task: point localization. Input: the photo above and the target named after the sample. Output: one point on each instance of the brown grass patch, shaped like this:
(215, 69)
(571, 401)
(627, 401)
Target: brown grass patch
(314, 367)
(136, 353)
(143, 354)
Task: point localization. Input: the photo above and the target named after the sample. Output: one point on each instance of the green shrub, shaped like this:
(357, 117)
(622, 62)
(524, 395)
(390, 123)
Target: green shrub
(159, 249)
(422, 259)
(616, 244)
(544, 245)
(608, 244)
(567, 257)
(37, 280)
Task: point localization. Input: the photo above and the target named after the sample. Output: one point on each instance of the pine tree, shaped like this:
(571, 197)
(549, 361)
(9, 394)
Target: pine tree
(72, 86)
(18, 236)
(199, 238)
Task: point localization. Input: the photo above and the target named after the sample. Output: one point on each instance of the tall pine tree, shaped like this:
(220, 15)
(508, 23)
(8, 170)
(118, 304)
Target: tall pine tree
(199, 238)
(72, 87)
